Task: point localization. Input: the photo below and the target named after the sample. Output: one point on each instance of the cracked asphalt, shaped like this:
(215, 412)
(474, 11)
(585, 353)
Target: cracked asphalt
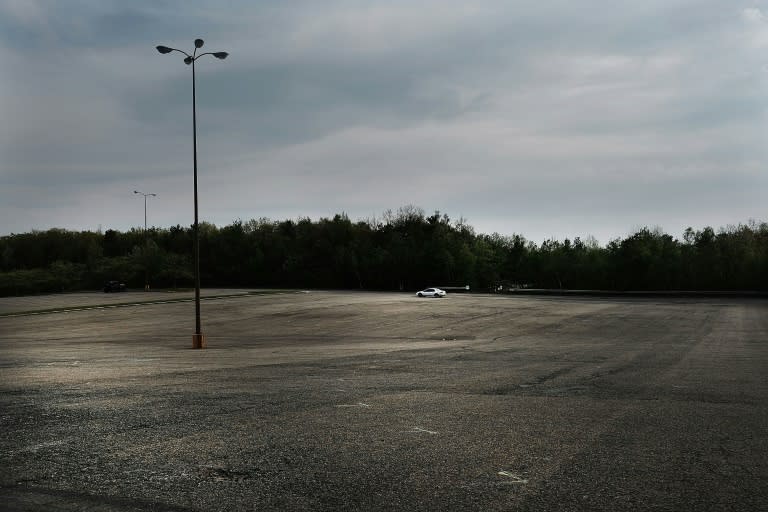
(381, 401)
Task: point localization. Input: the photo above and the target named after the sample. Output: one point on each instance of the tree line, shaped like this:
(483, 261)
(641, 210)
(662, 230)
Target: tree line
(403, 250)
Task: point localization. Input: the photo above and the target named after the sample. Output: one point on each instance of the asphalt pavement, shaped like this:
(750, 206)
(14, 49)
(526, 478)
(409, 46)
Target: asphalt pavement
(382, 401)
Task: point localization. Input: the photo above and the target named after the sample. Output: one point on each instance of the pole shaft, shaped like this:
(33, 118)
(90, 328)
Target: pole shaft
(146, 247)
(196, 227)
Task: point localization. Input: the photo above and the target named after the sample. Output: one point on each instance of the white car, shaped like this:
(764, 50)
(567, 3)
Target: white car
(431, 292)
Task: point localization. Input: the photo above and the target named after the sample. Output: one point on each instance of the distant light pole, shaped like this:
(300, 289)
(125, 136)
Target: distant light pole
(146, 239)
(198, 340)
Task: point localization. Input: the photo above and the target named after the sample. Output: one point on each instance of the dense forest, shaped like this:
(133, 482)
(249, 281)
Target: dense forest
(403, 250)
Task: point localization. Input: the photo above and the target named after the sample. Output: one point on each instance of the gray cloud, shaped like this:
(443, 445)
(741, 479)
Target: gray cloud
(567, 119)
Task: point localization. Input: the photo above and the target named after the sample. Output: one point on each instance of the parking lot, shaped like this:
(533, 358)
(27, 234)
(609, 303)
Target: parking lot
(382, 401)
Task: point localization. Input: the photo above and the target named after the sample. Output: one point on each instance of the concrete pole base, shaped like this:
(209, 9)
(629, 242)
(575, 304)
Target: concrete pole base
(198, 341)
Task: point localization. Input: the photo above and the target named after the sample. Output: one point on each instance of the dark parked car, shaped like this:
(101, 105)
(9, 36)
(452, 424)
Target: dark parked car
(114, 286)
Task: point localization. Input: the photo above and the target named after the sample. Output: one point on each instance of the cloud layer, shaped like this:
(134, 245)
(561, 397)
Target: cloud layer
(567, 119)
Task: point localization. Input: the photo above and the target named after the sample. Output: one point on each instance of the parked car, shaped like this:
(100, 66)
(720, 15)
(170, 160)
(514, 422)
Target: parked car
(114, 286)
(431, 292)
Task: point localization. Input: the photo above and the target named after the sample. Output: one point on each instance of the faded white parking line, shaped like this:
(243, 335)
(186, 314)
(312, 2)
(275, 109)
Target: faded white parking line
(358, 404)
(514, 479)
(36, 447)
(110, 306)
(419, 430)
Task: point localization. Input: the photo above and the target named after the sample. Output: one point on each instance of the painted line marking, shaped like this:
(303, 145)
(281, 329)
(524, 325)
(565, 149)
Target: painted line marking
(358, 404)
(127, 304)
(419, 430)
(514, 478)
(36, 447)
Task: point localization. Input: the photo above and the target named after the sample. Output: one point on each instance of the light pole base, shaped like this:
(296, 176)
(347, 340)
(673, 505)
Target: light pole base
(198, 341)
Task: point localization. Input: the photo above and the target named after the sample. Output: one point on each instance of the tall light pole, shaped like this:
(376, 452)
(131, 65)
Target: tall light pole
(198, 340)
(146, 240)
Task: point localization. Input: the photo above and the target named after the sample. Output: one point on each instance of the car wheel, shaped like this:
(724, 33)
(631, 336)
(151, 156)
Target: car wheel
(437, 295)
(419, 294)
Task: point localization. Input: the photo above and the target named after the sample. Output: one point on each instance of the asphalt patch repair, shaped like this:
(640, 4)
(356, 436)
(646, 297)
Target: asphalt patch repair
(381, 401)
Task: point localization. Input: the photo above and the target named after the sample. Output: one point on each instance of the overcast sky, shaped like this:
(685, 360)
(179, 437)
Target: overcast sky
(551, 119)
